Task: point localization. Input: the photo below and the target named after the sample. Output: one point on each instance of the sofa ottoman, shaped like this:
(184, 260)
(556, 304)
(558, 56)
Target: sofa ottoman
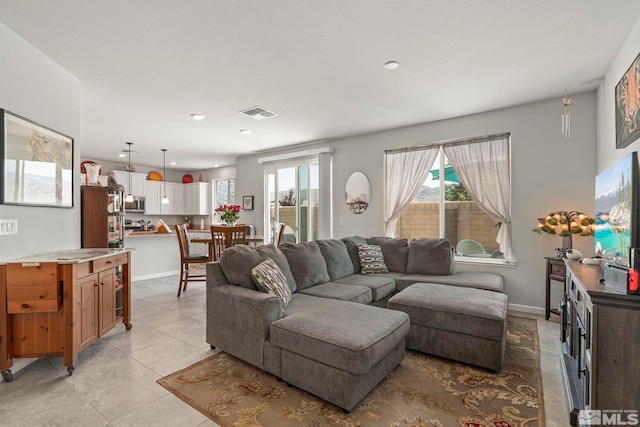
(338, 350)
(464, 324)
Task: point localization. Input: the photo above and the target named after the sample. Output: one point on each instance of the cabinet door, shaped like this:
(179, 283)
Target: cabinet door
(137, 184)
(179, 207)
(152, 197)
(107, 306)
(94, 201)
(198, 199)
(88, 309)
(122, 178)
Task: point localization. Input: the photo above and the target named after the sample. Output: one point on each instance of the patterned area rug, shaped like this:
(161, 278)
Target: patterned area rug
(424, 391)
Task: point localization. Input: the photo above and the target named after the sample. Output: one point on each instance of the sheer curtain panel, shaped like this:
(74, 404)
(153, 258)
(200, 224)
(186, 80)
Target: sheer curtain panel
(405, 171)
(483, 167)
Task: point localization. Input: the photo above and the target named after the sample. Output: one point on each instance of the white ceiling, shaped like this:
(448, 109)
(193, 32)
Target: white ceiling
(145, 65)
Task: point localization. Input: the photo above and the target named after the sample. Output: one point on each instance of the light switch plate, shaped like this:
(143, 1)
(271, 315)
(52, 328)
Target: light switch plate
(8, 227)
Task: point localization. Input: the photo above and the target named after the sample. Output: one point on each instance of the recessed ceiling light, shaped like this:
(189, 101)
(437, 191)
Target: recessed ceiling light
(122, 155)
(245, 131)
(197, 116)
(172, 163)
(391, 65)
(216, 166)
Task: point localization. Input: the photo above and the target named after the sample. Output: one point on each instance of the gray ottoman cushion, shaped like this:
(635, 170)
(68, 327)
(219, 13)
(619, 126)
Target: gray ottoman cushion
(467, 279)
(468, 311)
(359, 294)
(345, 335)
(381, 286)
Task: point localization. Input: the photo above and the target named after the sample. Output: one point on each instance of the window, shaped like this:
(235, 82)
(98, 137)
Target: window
(459, 191)
(223, 192)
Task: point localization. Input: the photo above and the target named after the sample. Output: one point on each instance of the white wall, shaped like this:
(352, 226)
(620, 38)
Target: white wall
(35, 87)
(548, 175)
(607, 154)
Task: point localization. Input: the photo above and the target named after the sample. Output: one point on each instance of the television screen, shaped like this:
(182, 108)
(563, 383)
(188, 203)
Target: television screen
(616, 210)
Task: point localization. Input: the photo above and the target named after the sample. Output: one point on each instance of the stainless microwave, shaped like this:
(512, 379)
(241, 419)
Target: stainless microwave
(136, 206)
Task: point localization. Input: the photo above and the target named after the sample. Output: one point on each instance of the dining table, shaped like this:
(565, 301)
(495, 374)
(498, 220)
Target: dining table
(259, 239)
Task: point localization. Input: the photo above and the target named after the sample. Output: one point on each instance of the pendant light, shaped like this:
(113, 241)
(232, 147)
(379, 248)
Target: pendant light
(129, 197)
(566, 116)
(165, 200)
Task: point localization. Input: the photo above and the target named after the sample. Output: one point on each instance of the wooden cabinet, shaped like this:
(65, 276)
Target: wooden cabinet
(600, 343)
(556, 273)
(58, 304)
(94, 217)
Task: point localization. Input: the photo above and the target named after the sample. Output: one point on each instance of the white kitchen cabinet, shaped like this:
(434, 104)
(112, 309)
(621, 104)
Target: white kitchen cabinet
(152, 197)
(179, 203)
(197, 198)
(137, 182)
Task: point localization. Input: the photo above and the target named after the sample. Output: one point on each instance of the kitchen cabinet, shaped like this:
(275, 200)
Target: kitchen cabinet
(137, 182)
(197, 198)
(152, 197)
(101, 217)
(179, 202)
(57, 304)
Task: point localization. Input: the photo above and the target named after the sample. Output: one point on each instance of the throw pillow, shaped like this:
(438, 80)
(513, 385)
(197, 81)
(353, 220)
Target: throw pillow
(371, 259)
(269, 278)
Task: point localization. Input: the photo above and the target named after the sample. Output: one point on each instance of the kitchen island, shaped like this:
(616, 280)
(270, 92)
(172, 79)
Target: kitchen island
(58, 303)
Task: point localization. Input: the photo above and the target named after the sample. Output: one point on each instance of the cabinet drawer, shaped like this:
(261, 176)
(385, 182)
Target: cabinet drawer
(32, 287)
(558, 270)
(109, 262)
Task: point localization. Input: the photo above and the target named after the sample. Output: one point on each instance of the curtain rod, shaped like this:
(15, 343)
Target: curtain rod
(450, 142)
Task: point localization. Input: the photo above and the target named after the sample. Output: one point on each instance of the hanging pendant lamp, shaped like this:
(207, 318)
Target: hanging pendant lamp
(129, 196)
(165, 199)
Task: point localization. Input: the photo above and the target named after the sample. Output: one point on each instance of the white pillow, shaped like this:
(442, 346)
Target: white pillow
(269, 278)
(371, 259)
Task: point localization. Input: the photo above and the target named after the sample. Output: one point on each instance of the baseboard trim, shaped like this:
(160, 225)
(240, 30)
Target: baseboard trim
(526, 309)
(155, 275)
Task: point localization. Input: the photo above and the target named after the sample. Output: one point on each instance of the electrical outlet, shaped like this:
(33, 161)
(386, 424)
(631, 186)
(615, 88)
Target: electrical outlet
(8, 227)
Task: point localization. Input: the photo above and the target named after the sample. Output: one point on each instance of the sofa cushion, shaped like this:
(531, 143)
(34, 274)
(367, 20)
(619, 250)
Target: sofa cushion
(371, 259)
(395, 251)
(236, 263)
(306, 263)
(352, 247)
(429, 256)
(269, 278)
(466, 279)
(380, 285)
(347, 336)
(336, 258)
(339, 291)
(271, 251)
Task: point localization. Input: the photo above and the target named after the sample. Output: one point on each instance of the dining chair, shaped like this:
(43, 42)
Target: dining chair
(280, 233)
(224, 237)
(186, 259)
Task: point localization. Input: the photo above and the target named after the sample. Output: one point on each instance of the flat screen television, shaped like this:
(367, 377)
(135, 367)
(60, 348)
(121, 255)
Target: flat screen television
(617, 202)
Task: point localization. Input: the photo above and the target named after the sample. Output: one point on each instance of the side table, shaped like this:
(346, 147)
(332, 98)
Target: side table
(556, 271)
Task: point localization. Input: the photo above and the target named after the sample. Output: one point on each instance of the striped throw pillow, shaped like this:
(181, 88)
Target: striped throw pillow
(371, 259)
(269, 278)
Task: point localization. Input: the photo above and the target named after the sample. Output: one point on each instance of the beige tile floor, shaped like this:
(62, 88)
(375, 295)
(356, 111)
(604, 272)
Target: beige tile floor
(114, 383)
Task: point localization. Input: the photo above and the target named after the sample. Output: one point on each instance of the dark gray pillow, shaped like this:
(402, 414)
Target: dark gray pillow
(306, 263)
(236, 263)
(395, 252)
(336, 257)
(271, 251)
(352, 248)
(429, 256)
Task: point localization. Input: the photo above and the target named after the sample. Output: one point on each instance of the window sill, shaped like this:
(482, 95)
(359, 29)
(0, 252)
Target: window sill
(484, 261)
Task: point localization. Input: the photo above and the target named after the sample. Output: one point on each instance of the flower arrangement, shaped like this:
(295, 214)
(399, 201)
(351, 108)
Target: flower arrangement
(229, 213)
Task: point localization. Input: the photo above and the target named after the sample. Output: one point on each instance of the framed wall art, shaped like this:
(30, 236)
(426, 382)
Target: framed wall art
(247, 203)
(628, 106)
(37, 164)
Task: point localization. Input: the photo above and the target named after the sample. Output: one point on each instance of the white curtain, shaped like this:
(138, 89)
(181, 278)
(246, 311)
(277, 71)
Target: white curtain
(405, 172)
(483, 167)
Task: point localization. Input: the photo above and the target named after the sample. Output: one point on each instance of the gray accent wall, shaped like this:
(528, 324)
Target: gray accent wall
(35, 87)
(548, 175)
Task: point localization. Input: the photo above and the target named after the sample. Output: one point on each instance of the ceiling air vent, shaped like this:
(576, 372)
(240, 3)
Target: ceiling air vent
(258, 113)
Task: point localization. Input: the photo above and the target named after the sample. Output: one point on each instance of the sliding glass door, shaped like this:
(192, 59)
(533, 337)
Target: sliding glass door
(292, 197)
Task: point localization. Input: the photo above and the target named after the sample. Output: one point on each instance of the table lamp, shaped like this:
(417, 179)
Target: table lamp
(566, 224)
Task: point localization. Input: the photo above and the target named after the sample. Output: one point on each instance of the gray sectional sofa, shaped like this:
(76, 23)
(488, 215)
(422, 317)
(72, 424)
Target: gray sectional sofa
(336, 338)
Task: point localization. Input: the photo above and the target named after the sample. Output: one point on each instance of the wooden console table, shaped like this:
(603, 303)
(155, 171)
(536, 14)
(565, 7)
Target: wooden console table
(556, 273)
(600, 343)
(59, 303)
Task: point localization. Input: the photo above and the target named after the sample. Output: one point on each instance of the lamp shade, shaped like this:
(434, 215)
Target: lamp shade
(566, 224)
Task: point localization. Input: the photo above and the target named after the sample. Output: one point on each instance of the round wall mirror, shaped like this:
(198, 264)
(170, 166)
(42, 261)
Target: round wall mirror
(357, 192)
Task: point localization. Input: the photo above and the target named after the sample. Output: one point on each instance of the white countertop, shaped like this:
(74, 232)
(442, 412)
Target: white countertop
(69, 256)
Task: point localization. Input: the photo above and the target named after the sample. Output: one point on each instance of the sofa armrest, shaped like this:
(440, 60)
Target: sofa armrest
(239, 319)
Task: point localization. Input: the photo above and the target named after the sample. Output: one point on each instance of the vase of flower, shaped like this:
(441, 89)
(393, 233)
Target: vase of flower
(229, 213)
